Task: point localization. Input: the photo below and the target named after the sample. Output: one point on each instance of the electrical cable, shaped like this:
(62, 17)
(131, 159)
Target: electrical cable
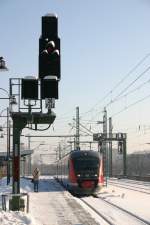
(82, 130)
(119, 95)
(128, 93)
(138, 77)
(68, 112)
(127, 107)
(118, 84)
(84, 127)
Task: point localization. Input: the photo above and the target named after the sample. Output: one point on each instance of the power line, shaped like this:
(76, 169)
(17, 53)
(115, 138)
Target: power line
(120, 82)
(128, 93)
(127, 107)
(84, 127)
(66, 113)
(83, 131)
(131, 71)
(125, 89)
(138, 77)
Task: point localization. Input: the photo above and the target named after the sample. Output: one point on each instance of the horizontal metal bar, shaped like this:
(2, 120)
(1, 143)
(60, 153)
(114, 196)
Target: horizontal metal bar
(50, 136)
(4, 98)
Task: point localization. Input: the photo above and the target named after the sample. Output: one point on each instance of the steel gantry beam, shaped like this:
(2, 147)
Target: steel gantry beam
(109, 137)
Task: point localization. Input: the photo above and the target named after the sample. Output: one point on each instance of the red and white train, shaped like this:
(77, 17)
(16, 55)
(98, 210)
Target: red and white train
(81, 172)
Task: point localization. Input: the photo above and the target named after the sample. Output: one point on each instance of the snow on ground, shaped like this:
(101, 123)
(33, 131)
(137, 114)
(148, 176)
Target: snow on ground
(133, 201)
(9, 217)
(136, 202)
(52, 205)
(13, 218)
(16, 218)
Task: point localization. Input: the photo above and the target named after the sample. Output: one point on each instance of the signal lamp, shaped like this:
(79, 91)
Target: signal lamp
(120, 147)
(29, 89)
(49, 48)
(3, 65)
(49, 87)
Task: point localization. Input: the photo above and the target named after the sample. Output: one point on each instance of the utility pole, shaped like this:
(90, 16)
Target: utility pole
(77, 129)
(110, 146)
(8, 147)
(124, 158)
(18, 124)
(104, 143)
(59, 151)
(29, 157)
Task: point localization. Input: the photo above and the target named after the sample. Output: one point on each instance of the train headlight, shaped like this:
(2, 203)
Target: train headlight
(95, 175)
(78, 175)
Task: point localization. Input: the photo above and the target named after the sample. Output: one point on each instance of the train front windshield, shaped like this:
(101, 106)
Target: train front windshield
(86, 164)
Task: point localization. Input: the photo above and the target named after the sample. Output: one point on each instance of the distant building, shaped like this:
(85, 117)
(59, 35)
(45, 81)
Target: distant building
(138, 163)
(4, 160)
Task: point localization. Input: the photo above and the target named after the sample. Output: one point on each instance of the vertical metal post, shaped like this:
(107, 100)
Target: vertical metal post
(90, 145)
(16, 166)
(16, 159)
(110, 146)
(104, 144)
(10, 94)
(29, 142)
(41, 164)
(29, 164)
(74, 143)
(71, 146)
(24, 166)
(124, 158)
(59, 151)
(18, 124)
(77, 129)
(27, 203)
(29, 157)
(8, 147)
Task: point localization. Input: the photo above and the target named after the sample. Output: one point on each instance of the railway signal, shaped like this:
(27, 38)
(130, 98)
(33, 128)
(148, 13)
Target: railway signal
(29, 88)
(100, 146)
(120, 147)
(49, 88)
(49, 57)
(3, 64)
(49, 48)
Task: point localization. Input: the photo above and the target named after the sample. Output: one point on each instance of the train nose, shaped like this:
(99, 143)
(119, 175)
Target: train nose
(87, 184)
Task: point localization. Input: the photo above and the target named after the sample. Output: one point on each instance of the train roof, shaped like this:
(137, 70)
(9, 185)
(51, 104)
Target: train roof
(78, 153)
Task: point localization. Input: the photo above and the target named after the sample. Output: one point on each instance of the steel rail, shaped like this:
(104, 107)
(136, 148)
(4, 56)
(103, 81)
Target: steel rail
(98, 213)
(140, 219)
(129, 187)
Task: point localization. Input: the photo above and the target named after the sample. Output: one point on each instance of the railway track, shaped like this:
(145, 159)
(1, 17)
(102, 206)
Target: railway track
(131, 186)
(144, 183)
(126, 211)
(100, 214)
(139, 182)
(111, 213)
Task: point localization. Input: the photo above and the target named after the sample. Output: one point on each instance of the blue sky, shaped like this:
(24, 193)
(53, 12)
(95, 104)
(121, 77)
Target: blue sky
(101, 41)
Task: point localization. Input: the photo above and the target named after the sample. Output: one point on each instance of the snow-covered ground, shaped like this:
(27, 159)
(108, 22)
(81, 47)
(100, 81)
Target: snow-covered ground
(52, 205)
(126, 206)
